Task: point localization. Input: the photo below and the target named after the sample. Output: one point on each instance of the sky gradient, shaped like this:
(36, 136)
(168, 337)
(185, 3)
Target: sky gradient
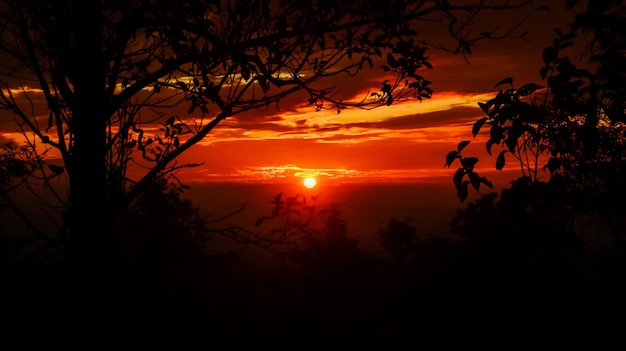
(404, 142)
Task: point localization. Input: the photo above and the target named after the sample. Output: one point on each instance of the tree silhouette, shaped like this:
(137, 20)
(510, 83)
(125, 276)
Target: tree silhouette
(85, 80)
(16, 164)
(305, 230)
(399, 238)
(569, 131)
(562, 222)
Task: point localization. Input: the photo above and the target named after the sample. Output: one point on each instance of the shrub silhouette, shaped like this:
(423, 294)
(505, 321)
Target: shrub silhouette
(399, 238)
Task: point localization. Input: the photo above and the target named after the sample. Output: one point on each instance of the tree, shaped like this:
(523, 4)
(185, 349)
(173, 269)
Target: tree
(399, 238)
(563, 220)
(569, 131)
(306, 231)
(103, 71)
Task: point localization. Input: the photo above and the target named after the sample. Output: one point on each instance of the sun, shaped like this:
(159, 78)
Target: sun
(309, 182)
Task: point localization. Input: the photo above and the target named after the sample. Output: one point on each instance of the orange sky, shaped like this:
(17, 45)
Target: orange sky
(404, 142)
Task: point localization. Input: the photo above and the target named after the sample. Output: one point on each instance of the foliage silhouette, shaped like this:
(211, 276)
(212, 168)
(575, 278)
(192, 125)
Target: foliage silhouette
(399, 238)
(308, 232)
(570, 129)
(556, 235)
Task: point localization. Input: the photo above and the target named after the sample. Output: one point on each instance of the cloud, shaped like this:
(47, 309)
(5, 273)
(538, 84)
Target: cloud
(354, 125)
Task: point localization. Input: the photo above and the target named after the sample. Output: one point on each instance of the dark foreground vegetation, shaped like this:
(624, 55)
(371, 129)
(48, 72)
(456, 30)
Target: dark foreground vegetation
(507, 274)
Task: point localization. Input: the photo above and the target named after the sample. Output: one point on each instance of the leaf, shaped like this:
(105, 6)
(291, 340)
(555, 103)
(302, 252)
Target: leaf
(458, 177)
(496, 133)
(391, 60)
(462, 191)
(489, 144)
(484, 107)
(544, 71)
(486, 182)
(474, 180)
(511, 143)
(553, 164)
(549, 55)
(469, 162)
(462, 145)
(528, 89)
(500, 160)
(507, 80)
(386, 87)
(450, 157)
(477, 125)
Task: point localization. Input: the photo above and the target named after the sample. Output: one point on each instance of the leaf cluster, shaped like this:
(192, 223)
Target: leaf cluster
(570, 130)
(465, 175)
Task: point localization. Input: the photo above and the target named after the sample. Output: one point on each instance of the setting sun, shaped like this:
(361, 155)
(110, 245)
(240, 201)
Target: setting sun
(309, 182)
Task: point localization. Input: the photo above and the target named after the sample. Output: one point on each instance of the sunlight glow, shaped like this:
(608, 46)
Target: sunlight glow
(309, 182)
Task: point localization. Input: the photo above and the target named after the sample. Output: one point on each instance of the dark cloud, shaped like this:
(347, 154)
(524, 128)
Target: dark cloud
(455, 115)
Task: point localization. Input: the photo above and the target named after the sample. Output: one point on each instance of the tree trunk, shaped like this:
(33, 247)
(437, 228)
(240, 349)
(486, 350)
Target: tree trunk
(91, 246)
